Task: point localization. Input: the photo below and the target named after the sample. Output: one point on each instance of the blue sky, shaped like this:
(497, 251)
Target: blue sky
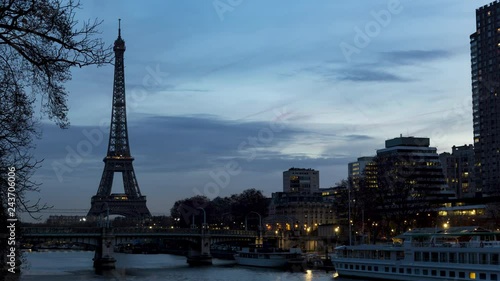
(262, 86)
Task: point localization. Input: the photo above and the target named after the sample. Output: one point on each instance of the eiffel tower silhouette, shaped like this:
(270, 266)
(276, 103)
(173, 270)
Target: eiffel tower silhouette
(118, 159)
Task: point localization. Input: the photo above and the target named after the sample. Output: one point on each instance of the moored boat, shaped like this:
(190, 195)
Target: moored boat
(459, 253)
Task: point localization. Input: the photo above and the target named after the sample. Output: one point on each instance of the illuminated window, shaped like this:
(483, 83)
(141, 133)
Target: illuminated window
(472, 275)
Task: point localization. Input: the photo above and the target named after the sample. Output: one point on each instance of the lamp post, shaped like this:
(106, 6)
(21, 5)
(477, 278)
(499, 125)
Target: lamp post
(107, 214)
(349, 211)
(260, 224)
(204, 225)
(260, 220)
(337, 229)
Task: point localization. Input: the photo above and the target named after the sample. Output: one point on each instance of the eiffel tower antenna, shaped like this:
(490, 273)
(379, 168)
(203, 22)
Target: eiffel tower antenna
(118, 159)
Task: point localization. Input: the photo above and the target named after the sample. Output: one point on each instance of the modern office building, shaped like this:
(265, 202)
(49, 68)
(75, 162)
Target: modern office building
(357, 168)
(413, 162)
(363, 168)
(485, 63)
(301, 180)
(458, 168)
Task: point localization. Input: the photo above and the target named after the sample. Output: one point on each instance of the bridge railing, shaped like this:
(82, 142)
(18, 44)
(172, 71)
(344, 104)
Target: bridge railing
(124, 230)
(132, 230)
(60, 230)
(235, 232)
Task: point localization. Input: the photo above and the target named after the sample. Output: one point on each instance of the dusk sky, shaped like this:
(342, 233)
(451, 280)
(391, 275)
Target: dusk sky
(262, 86)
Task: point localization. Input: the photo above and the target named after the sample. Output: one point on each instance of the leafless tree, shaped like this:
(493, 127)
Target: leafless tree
(40, 41)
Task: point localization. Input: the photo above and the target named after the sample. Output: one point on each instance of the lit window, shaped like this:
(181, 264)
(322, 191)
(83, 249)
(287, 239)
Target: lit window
(472, 275)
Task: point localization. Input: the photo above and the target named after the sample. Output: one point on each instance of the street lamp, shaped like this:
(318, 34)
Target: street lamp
(107, 213)
(260, 220)
(337, 230)
(204, 225)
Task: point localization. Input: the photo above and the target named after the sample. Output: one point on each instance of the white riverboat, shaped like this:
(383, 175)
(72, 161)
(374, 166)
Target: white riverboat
(458, 253)
(262, 257)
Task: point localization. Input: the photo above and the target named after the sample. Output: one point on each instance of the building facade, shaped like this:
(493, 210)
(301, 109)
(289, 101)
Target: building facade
(301, 180)
(485, 72)
(458, 168)
(363, 168)
(357, 168)
(299, 212)
(413, 162)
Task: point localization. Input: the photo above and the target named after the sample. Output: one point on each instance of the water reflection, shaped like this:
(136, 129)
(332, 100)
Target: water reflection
(76, 266)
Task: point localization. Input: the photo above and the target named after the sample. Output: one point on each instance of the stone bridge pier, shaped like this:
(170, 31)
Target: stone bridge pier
(103, 257)
(202, 256)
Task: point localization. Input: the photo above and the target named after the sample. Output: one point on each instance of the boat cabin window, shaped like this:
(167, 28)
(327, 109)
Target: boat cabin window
(461, 258)
(483, 258)
(418, 256)
(443, 257)
(494, 259)
(472, 258)
(426, 256)
(434, 257)
(453, 257)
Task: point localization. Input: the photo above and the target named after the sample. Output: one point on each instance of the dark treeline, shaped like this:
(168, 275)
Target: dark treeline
(225, 212)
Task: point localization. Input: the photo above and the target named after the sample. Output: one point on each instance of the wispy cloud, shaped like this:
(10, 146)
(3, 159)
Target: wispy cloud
(406, 57)
(366, 75)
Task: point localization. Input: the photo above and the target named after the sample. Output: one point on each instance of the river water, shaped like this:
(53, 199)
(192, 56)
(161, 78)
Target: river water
(77, 266)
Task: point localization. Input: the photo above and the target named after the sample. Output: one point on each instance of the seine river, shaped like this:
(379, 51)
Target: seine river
(76, 266)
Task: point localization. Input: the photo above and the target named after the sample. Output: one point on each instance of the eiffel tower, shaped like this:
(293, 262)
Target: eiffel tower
(118, 160)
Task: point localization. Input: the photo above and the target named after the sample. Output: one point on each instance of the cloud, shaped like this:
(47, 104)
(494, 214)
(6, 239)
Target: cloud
(365, 75)
(380, 69)
(359, 137)
(365, 72)
(406, 57)
(194, 143)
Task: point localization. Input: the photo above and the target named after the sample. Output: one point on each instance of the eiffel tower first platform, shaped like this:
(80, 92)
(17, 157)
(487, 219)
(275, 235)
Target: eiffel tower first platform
(118, 160)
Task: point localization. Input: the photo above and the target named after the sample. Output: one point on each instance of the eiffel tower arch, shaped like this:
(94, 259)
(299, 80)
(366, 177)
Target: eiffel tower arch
(118, 159)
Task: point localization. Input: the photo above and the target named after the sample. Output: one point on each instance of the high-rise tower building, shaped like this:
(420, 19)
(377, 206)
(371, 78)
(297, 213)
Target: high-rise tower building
(485, 62)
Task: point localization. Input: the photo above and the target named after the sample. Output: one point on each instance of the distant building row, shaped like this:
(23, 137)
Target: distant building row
(449, 172)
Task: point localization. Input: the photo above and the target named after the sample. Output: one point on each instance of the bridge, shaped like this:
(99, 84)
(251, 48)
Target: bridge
(105, 238)
(91, 235)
